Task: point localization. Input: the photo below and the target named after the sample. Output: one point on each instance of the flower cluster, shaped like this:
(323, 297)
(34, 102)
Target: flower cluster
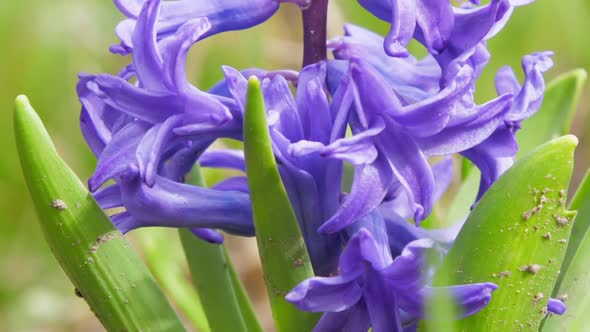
(149, 126)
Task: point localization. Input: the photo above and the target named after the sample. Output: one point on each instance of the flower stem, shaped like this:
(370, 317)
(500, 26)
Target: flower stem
(314, 31)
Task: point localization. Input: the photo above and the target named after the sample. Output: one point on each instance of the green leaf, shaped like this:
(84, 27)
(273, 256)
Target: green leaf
(575, 277)
(581, 203)
(223, 296)
(95, 256)
(212, 278)
(557, 111)
(285, 261)
(553, 119)
(163, 255)
(461, 205)
(252, 323)
(506, 242)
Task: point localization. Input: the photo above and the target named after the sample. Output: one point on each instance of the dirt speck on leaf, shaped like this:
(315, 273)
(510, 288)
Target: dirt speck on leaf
(58, 204)
(561, 221)
(101, 239)
(531, 268)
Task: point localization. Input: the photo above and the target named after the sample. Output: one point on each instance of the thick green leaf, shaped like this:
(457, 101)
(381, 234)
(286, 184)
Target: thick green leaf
(552, 120)
(163, 255)
(95, 256)
(223, 296)
(574, 280)
(516, 237)
(556, 114)
(285, 261)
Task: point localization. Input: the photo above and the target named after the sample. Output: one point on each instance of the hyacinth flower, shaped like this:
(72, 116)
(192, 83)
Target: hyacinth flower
(224, 15)
(408, 117)
(438, 25)
(130, 128)
(312, 182)
(431, 110)
(374, 290)
(496, 154)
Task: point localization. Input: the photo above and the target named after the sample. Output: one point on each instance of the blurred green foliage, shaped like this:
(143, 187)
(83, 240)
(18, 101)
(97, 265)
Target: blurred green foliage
(46, 43)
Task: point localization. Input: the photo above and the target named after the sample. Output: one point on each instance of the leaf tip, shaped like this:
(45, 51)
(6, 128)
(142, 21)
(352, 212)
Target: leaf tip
(581, 74)
(22, 109)
(253, 82)
(570, 140)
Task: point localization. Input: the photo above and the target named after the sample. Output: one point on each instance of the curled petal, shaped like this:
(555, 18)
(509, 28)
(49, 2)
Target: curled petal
(529, 99)
(150, 106)
(470, 297)
(382, 303)
(410, 78)
(153, 145)
(96, 117)
(321, 294)
(236, 84)
(146, 56)
(471, 26)
(118, 156)
(403, 24)
(236, 183)
(406, 269)
(174, 50)
(469, 133)
(410, 167)
(435, 21)
(365, 247)
(109, 197)
(208, 235)
(223, 158)
(369, 187)
(358, 149)
(352, 320)
(183, 160)
(312, 103)
(372, 92)
(226, 16)
(282, 107)
(430, 115)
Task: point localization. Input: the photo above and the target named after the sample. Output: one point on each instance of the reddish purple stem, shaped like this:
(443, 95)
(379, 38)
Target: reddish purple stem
(314, 32)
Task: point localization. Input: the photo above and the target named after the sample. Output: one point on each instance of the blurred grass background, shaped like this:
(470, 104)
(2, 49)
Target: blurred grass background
(46, 43)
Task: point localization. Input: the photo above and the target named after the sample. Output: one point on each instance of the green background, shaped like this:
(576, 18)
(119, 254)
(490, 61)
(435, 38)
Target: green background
(44, 44)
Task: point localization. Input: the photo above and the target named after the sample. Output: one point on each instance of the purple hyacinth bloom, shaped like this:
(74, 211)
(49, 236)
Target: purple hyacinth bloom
(131, 129)
(223, 15)
(428, 111)
(393, 137)
(496, 154)
(374, 290)
(312, 182)
(556, 306)
(439, 26)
